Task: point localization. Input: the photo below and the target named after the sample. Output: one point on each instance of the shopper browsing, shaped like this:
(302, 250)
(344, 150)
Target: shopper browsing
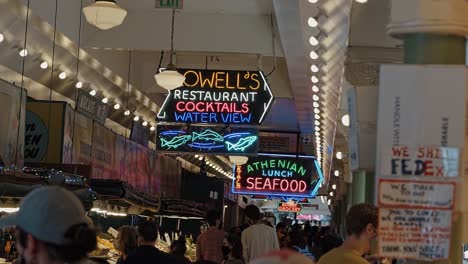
(52, 228)
(361, 228)
(259, 238)
(209, 243)
(126, 242)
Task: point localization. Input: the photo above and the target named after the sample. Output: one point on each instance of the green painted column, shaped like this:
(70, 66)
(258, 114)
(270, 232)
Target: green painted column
(370, 187)
(428, 48)
(359, 187)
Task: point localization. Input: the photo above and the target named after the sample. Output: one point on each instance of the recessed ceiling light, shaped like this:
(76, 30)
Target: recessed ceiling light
(315, 89)
(334, 186)
(316, 105)
(317, 133)
(78, 84)
(23, 53)
(105, 100)
(312, 22)
(313, 1)
(317, 123)
(44, 65)
(317, 116)
(313, 41)
(337, 173)
(314, 68)
(152, 128)
(136, 118)
(127, 112)
(117, 106)
(339, 155)
(145, 123)
(361, 1)
(1, 38)
(93, 92)
(63, 75)
(313, 55)
(317, 111)
(345, 120)
(315, 97)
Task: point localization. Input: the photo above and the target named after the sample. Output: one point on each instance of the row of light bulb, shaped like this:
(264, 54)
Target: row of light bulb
(314, 68)
(63, 75)
(213, 165)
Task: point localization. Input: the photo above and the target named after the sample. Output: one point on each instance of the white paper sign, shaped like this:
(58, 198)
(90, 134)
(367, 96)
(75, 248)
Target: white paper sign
(418, 234)
(416, 194)
(419, 161)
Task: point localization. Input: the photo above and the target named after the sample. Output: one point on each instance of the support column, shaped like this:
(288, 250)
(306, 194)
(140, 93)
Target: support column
(434, 32)
(359, 187)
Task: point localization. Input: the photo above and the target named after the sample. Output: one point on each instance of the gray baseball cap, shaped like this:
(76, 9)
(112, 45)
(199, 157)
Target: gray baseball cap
(47, 213)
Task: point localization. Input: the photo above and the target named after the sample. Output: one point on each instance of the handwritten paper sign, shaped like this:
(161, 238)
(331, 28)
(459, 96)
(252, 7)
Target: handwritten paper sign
(416, 194)
(420, 161)
(418, 234)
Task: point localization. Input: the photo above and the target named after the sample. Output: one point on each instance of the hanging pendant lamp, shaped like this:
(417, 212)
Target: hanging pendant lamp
(170, 79)
(104, 14)
(239, 160)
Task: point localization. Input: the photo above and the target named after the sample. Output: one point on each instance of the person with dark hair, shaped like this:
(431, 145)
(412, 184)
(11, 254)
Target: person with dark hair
(297, 242)
(209, 244)
(281, 234)
(361, 229)
(259, 238)
(147, 251)
(126, 242)
(52, 227)
(232, 250)
(178, 250)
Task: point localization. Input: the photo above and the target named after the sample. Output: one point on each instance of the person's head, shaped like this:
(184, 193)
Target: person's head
(127, 239)
(297, 238)
(51, 227)
(361, 224)
(147, 233)
(232, 246)
(178, 248)
(253, 213)
(281, 227)
(213, 218)
(330, 241)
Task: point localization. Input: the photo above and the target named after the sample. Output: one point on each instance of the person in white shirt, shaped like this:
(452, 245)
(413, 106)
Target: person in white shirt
(258, 239)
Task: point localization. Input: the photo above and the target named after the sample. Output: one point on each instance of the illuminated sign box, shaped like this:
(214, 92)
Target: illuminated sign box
(207, 139)
(278, 176)
(219, 97)
(289, 207)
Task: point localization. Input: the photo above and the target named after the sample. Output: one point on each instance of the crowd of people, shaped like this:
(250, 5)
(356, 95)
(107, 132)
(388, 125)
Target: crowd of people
(52, 227)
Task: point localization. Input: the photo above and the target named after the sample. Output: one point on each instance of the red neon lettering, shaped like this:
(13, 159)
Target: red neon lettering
(292, 187)
(302, 186)
(180, 106)
(190, 106)
(267, 184)
(275, 183)
(245, 108)
(250, 184)
(209, 107)
(284, 188)
(258, 183)
(199, 107)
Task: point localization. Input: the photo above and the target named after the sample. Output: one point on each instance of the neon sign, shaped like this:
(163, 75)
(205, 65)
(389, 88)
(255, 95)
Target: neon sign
(289, 207)
(278, 177)
(214, 96)
(213, 140)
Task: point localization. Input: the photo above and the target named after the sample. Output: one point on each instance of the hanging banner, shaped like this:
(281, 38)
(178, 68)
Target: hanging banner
(216, 96)
(278, 176)
(92, 107)
(207, 139)
(419, 161)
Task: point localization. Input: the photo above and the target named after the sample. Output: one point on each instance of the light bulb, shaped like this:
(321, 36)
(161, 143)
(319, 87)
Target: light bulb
(315, 89)
(63, 75)
(44, 65)
(117, 106)
(315, 97)
(345, 120)
(152, 128)
(317, 116)
(312, 22)
(317, 123)
(317, 133)
(314, 68)
(339, 155)
(145, 123)
(337, 173)
(136, 118)
(78, 84)
(334, 186)
(313, 41)
(93, 92)
(317, 111)
(331, 194)
(105, 100)
(313, 1)
(318, 139)
(317, 128)
(316, 105)
(313, 55)
(361, 1)
(127, 112)
(314, 79)
(1, 38)
(329, 202)
(200, 158)
(23, 53)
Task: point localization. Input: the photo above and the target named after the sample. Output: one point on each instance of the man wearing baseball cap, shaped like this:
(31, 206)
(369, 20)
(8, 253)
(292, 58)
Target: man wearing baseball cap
(52, 227)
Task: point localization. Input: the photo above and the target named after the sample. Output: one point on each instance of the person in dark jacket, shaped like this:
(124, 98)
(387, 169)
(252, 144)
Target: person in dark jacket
(178, 250)
(147, 251)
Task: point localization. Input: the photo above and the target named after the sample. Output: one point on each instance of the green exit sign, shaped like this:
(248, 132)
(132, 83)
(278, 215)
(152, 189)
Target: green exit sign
(172, 4)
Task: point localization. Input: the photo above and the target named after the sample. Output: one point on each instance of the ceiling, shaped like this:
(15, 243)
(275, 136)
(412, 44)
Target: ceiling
(271, 35)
